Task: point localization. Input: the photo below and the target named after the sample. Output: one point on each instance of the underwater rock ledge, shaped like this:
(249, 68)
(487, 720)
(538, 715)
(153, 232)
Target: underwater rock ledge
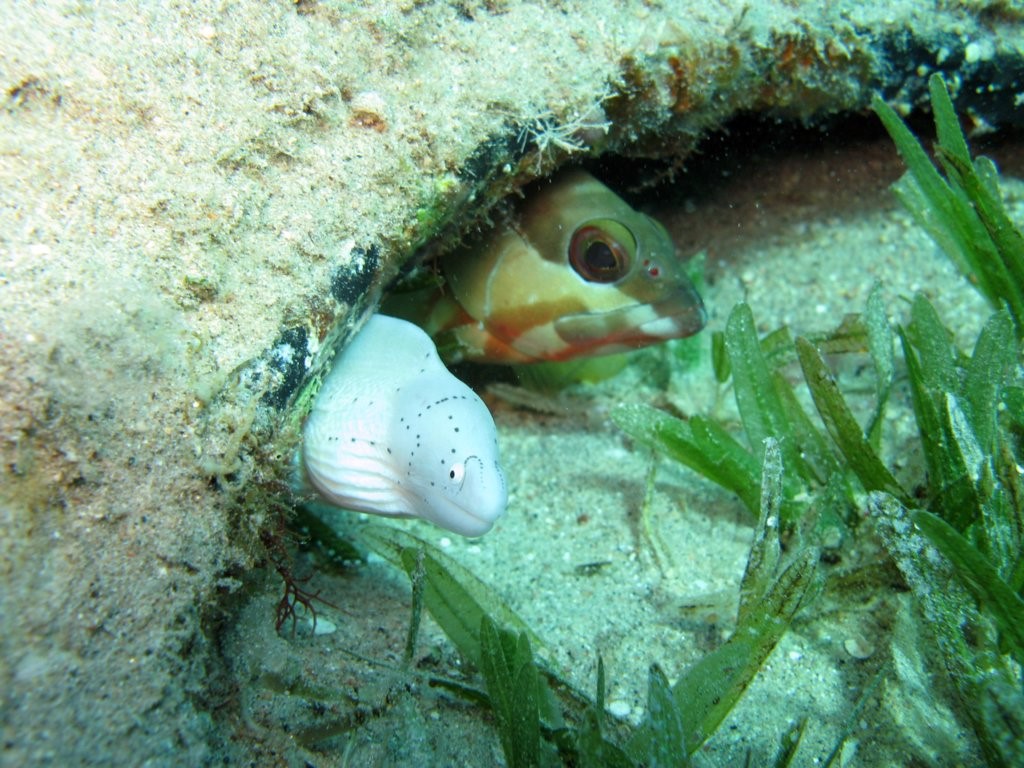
(658, 100)
(662, 102)
(198, 204)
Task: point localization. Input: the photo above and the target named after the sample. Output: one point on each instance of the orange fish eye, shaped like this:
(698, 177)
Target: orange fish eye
(601, 251)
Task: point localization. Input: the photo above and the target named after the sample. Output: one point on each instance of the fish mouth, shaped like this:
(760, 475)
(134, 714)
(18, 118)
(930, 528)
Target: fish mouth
(635, 326)
(479, 502)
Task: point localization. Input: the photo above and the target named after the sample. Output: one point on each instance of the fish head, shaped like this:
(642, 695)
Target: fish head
(579, 273)
(445, 448)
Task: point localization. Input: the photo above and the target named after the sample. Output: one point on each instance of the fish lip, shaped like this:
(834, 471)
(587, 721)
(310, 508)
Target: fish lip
(675, 317)
(464, 520)
(690, 317)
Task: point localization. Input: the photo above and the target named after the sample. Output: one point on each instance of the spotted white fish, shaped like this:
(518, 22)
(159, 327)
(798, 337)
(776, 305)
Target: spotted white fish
(392, 432)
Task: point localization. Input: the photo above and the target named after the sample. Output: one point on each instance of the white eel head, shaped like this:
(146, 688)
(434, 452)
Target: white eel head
(446, 447)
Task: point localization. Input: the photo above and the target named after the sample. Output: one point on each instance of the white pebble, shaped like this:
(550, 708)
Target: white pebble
(324, 626)
(979, 51)
(619, 708)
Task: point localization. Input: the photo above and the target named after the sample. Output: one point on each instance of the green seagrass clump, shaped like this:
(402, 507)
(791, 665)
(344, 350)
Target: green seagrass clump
(960, 205)
(957, 532)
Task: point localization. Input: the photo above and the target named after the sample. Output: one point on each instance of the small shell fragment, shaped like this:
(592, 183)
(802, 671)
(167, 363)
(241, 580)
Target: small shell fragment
(859, 648)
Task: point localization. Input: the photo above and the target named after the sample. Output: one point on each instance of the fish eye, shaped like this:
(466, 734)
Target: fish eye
(601, 251)
(457, 473)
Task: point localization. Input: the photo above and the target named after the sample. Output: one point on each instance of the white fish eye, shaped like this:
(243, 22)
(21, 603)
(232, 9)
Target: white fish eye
(457, 473)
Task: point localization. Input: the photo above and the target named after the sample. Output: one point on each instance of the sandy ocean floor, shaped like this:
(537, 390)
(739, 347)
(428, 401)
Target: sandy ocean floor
(801, 232)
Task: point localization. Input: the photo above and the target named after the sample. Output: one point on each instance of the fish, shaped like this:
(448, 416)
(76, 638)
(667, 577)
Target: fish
(392, 432)
(576, 272)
